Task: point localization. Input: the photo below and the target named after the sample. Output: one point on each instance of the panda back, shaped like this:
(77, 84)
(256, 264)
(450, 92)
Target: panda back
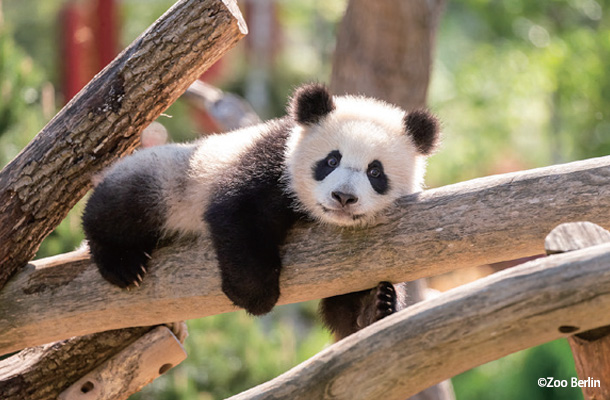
(220, 162)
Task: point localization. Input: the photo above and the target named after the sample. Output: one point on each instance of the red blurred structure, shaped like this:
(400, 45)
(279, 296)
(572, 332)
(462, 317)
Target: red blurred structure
(89, 33)
(90, 37)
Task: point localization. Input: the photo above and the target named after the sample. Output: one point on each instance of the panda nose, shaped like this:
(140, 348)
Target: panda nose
(344, 198)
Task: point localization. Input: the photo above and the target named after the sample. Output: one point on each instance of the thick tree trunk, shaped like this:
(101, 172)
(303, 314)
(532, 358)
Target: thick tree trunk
(385, 49)
(40, 186)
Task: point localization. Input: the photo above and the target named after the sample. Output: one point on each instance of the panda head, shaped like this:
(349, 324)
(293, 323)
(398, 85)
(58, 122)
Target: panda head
(348, 157)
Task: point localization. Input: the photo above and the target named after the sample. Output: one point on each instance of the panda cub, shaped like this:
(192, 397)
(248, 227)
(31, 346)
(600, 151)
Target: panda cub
(339, 160)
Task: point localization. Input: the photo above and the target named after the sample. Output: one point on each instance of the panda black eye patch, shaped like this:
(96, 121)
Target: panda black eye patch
(324, 167)
(377, 178)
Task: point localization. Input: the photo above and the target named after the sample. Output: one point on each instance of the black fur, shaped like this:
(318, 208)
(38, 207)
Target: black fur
(381, 183)
(310, 103)
(249, 218)
(322, 169)
(122, 222)
(423, 129)
(348, 313)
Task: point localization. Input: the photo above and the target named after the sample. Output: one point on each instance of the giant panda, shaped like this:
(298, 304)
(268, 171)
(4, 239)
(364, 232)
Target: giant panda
(338, 160)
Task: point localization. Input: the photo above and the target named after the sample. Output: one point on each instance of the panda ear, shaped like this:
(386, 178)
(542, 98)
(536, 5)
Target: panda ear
(423, 128)
(310, 103)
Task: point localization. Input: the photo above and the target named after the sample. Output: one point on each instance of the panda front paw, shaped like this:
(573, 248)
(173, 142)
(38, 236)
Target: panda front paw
(121, 267)
(257, 298)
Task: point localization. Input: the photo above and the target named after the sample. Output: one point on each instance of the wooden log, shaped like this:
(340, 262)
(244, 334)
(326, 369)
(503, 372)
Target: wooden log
(471, 223)
(42, 373)
(460, 329)
(40, 186)
(591, 349)
(140, 363)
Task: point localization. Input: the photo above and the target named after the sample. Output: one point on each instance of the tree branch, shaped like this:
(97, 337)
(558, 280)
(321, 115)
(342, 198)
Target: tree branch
(402, 354)
(40, 186)
(471, 223)
(43, 372)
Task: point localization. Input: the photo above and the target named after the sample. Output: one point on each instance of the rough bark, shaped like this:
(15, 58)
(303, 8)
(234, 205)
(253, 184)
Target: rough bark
(591, 349)
(477, 222)
(40, 186)
(385, 48)
(140, 363)
(462, 328)
(44, 372)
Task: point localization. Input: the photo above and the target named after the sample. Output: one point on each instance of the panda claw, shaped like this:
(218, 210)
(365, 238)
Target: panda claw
(147, 255)
(386, 300)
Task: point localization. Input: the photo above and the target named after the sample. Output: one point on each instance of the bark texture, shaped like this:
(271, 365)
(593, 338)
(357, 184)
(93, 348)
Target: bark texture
(42, 373)
(502, 217)
(460, 329)
(101, 123)
(140, 363)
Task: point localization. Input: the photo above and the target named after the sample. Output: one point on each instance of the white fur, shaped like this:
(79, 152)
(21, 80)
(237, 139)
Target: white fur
(362, 130)
(186, 174)
(211, 156)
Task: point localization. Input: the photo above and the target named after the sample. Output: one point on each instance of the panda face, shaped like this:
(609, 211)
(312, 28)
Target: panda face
(343, 191)
(352, 164)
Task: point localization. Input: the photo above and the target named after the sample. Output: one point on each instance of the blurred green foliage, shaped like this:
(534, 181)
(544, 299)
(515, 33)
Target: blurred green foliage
(20, 83)
(518, 84)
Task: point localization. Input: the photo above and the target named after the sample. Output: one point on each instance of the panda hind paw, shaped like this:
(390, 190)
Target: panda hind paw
(385, 300)
(125, 268)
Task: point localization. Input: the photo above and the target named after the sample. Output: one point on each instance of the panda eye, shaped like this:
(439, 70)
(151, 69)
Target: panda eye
(332, 162)
(374, 172)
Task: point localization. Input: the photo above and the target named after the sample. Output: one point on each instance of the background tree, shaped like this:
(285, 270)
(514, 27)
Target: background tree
(386, 50)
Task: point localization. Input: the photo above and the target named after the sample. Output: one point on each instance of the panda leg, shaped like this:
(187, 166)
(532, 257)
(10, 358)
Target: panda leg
(120, 265)
(122, 223)
(250, 265)
(348, 313)
(246, 232)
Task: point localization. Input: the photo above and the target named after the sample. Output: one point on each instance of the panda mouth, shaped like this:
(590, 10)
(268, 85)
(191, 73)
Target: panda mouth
(341, 213)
